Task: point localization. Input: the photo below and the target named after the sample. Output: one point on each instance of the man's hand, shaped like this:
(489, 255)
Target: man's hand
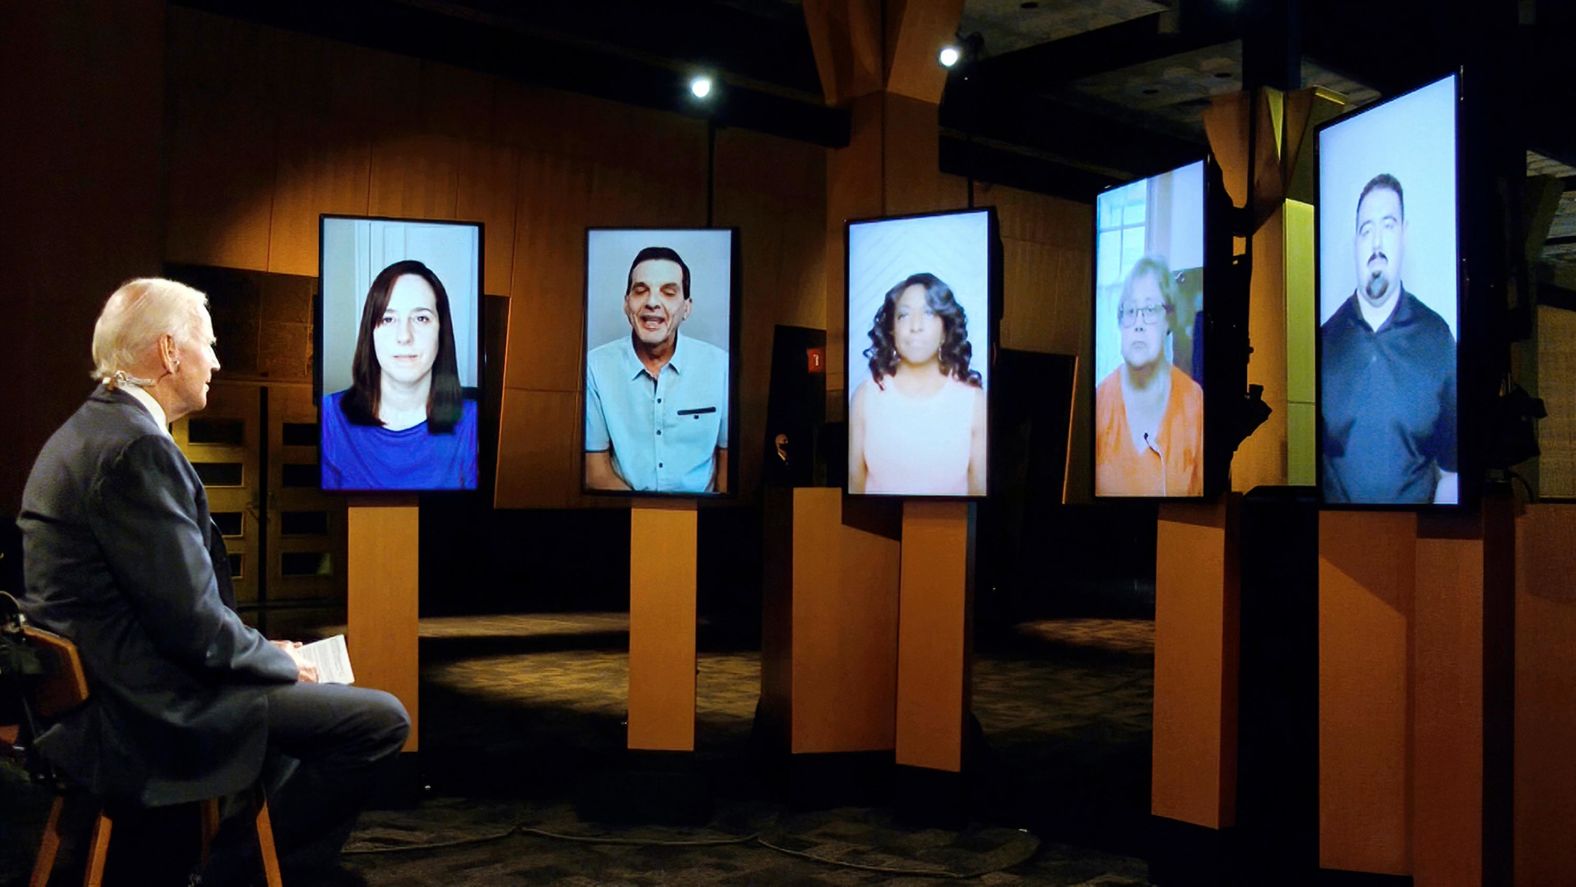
(306, 672)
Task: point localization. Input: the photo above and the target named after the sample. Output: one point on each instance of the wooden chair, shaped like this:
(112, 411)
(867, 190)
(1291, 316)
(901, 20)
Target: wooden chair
(63, 686)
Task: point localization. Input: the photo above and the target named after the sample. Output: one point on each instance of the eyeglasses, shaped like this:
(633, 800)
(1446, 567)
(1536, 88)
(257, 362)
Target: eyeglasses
(1150, 313)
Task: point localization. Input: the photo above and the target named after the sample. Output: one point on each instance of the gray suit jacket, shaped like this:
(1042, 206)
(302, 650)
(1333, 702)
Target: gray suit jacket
(118, 558)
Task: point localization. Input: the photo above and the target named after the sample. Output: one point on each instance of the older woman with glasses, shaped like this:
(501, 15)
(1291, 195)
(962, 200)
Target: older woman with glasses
(1149, 415)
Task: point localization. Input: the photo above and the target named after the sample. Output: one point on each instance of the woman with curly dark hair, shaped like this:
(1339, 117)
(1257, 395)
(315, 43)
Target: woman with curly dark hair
(917, 425)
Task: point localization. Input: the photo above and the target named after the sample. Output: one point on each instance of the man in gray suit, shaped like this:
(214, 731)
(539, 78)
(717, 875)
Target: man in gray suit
(187, 702)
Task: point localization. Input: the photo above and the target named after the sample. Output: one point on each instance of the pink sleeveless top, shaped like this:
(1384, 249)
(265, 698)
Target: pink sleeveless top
(919, 446)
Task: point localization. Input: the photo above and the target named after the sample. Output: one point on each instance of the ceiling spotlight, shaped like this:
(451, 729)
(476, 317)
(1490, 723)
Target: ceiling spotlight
(700, 86)
(949, 56)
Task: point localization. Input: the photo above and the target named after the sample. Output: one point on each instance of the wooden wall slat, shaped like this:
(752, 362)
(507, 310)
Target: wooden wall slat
(1048, 307)
(914, 182)
(538, 466)
(783, 278)
(324, 167)
(457, 102)
(415, 175)
(548, 278)
(221, 150)
(488, 192)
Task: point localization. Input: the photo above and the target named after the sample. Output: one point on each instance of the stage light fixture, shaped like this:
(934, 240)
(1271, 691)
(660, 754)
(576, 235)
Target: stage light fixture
(949, 56)
(700, 86)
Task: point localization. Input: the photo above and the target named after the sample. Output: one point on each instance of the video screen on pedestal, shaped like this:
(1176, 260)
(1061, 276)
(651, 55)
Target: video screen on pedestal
(1389, 306)
(919, 327)
(659, 366)
(1149, 321)
(398, 358)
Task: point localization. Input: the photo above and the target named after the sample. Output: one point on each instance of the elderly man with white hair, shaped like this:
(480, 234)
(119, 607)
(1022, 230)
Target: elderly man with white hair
(187, 701)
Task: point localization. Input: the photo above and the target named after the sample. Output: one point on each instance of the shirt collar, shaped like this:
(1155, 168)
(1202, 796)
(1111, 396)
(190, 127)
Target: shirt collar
(1400, 315)
(148, 403)
(633, 367)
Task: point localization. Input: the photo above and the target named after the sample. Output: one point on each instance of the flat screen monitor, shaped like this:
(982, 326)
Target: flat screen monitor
(660, 309)
(1389, 303)
(399, 359)
(1149, 323)
(921, 296)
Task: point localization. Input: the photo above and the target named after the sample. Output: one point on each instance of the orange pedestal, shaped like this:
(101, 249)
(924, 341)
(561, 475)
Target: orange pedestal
(933, 634)
(1194, 777)
(381, 607)
(1414, 693)
(662, 540)
(829, 623)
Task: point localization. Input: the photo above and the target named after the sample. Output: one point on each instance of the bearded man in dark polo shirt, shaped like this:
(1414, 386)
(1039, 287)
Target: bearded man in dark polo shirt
(1388, 404)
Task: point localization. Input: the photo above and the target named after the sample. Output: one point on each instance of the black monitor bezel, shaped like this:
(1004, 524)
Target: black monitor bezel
(734, 300)
(476, 392)
(1466, 490)
(993, 333)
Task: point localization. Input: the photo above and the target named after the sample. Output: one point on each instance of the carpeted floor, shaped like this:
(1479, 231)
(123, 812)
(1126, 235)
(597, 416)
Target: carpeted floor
(521, 713)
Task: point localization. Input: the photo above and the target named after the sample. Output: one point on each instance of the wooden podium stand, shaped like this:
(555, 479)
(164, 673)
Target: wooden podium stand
(655, 778)
(829, 625)
(662, 546)
(933, 634)
(1197, 586)
(382, 578)
(1414, 627)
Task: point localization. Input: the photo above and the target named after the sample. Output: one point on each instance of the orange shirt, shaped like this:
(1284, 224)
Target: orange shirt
(1173, 466)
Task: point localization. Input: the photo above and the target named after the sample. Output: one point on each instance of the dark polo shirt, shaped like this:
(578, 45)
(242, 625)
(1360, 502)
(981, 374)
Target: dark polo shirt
(1388, 404)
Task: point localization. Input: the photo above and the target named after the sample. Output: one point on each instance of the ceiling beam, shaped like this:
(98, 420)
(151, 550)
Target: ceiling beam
(1005, 165)
(1134, 42)
(1111, 148)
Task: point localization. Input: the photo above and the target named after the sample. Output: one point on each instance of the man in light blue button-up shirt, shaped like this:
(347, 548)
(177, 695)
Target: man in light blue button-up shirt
(656, 402)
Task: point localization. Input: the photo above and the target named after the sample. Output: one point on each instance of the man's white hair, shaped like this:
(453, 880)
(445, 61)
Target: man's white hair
(136, 315)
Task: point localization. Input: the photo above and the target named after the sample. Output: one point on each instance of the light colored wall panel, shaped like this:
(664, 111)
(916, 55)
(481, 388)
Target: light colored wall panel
(1557, 387)
(1261, 459)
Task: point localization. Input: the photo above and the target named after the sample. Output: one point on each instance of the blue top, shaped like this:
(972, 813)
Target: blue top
(371, 457)
(1389, 404)
(664, 432)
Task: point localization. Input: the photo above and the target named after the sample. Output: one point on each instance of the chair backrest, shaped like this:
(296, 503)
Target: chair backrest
(63, 685)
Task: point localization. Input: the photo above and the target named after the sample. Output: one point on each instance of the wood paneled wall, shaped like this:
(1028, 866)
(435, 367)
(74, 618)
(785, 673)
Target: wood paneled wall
(267, 129)
(1556, 346)
(80, 201)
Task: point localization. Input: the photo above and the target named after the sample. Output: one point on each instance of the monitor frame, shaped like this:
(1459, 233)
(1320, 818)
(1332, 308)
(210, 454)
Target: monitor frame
(476, 392)
(994, 301)
(734, 302)
(1224, 373)
(1467, 490)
